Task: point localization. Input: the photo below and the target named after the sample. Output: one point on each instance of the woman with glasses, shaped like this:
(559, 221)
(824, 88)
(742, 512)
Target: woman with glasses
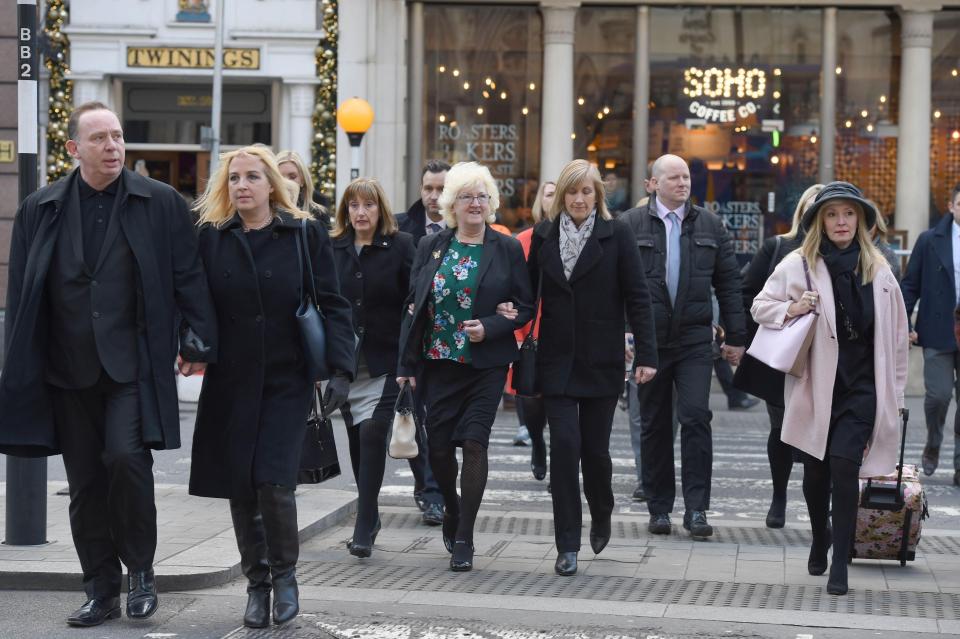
(453, 329)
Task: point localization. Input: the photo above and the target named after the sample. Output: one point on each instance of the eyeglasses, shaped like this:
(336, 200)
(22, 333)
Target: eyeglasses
(483, 198)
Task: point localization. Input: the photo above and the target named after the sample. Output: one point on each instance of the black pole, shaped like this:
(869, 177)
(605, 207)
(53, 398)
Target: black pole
(26, 518)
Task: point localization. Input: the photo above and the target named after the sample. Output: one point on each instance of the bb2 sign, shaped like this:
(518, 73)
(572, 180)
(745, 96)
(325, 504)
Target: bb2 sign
(723, 95)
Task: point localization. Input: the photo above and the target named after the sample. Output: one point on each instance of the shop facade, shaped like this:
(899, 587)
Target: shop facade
(739, 91)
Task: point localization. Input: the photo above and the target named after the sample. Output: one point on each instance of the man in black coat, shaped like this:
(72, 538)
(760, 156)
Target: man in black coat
(933, 273)
(685, 251)
(423, 219)
(101, 263)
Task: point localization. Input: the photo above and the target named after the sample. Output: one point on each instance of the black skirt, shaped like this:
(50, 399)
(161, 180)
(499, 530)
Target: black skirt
(461, 402)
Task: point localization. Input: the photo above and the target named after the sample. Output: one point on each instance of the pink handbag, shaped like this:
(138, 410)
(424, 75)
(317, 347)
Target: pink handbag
(786, 349)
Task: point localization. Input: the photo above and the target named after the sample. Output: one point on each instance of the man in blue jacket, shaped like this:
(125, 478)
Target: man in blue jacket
(933, 279)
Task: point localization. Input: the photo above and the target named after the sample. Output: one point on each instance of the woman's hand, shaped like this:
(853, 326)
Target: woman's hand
(506, 309)
(806, 304)
(474, 330)
(189, 368)
(403, 380)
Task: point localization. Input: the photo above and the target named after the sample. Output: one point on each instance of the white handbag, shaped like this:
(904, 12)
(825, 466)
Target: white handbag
(403, 438)
(786, 349)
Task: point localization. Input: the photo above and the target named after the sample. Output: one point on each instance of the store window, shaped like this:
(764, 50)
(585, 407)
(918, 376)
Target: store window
(945, 134)
(604, 67)
(483, 76)
(868, 90)
(736, 93)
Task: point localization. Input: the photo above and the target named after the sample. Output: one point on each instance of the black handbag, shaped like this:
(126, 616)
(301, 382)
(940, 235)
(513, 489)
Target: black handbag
(313, 335)
(525, 381)
(318, 457)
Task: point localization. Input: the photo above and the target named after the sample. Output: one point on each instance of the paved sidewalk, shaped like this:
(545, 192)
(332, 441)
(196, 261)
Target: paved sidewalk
(196, 546)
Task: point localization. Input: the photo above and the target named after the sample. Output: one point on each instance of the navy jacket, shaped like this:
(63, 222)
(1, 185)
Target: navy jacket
(929, 280)
(414, 221)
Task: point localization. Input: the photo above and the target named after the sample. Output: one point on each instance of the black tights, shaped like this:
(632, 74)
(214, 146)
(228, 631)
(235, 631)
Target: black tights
(368, 457)
(820, 478)
(533, 416)
(473, 481)
(780, 456)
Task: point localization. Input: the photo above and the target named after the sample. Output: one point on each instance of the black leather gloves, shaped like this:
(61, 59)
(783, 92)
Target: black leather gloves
(337, 391)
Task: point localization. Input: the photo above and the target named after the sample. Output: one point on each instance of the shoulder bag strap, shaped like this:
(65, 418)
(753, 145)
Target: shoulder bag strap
(306, 260)
(776, 254)
(806, 274)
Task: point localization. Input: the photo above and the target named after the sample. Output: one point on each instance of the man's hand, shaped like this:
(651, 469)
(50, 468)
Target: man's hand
(732, 354)
(914, 337)
(506, 309)
(644, 374)
(190, 368)
(403, 380)
(474, 330)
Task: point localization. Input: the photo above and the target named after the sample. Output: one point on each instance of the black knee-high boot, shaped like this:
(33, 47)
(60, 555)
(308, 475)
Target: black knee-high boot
(372, 446)
(780, 456)
(279, 509)
(846, 490)
(251, 540)
(816, 492)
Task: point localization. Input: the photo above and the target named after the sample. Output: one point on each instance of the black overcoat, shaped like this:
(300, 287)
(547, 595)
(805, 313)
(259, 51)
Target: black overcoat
(255, 399)
(580, 351)
(376, 282)
(502, 278)
(170, 284)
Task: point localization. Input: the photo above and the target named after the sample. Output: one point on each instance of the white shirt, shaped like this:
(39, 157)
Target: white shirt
(955, 234)
(664, 212)
(427, 222)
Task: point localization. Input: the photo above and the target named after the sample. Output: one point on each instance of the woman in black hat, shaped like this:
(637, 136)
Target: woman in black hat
(842, 412)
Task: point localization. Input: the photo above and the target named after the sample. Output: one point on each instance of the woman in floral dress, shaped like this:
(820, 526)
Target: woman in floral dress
(456, 345)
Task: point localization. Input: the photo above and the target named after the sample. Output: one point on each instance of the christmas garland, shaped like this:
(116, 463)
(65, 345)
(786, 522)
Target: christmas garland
(324, 164)
(59, 162)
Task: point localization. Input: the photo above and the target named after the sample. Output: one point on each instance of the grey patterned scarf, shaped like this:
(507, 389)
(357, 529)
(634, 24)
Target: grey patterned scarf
(572, 239)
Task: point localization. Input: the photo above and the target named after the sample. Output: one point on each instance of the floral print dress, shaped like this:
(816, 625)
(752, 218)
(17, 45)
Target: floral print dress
(451, 303)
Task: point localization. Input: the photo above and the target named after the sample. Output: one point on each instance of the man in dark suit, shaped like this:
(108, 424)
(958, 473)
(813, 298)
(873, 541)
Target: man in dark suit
(933, 277)
(101, 263)
(423, 219)
(686, 251)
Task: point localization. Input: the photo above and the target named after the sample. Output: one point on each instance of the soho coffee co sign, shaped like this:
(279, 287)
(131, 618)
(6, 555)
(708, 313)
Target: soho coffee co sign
(722, 95)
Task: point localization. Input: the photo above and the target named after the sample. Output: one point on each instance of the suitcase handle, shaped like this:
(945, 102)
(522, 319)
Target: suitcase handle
(888, 497)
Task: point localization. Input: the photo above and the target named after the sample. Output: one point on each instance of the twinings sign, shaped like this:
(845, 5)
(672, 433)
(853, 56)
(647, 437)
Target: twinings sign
(191, 58)
(724, 94)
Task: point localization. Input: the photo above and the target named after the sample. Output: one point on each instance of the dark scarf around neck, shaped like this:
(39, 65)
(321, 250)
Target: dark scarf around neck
(854, 299)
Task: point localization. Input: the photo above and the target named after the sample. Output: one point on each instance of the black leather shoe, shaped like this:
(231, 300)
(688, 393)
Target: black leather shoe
(696, 522)
(566, 564)
(599, 535)
(817, 561)
(450, 523)
(141, 594)
(930, 460)
(744, 404)
(257, 614)
(538, 459)
(777, 515)
(433, 515)
(364, 550)
(638, 494)
(95, 612)
(659, 524)
(837, 584)
(462, 559)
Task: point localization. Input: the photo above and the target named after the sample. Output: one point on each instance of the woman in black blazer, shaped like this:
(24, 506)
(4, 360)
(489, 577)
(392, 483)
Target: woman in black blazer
(255, 400)
(454, 333)
(591, 278)
(373, 262)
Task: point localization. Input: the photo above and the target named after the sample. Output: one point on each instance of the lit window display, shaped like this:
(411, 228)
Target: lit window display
(736, 93)
(482, 76)
(945, 133)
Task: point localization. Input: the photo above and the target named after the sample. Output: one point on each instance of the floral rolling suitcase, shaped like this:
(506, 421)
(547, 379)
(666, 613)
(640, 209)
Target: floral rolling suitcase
(891, 513)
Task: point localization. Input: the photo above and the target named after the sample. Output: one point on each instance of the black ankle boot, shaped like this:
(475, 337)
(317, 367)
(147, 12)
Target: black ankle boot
(251, 541)
(817, 562)
(279, 509)
(837, 584)
(777, 515)
(462, 559)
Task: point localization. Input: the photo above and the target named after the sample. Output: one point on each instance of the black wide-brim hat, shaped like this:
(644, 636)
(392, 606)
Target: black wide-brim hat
(840, 191)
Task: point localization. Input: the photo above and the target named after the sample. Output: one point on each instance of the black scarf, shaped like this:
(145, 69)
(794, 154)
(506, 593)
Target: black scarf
(854, 300)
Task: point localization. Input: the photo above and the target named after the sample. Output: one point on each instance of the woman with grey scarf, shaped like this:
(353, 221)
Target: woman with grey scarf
(587, 267)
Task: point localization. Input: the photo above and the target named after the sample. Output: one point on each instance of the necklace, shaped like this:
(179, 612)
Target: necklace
(256, 227)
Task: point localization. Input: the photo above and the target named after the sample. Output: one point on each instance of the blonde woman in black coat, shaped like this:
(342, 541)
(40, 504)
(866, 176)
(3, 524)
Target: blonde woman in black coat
(373, 262)
(591, 279)
(255, 399)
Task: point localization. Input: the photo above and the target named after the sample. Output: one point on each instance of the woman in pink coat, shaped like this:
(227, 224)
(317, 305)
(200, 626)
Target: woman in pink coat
(842, 413)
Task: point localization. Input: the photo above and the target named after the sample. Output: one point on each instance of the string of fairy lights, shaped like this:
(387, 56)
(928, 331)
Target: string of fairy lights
(323, 168)
(60, 102)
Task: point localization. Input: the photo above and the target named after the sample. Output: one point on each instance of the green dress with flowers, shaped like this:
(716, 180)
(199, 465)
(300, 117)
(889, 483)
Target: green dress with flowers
(451, 303)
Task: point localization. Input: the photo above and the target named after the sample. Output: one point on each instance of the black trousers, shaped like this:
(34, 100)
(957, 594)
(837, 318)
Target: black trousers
(113, 516)
(579, 436)
(689, 370)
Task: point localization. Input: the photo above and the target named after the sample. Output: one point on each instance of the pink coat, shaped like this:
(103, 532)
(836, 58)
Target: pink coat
(809, 398)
